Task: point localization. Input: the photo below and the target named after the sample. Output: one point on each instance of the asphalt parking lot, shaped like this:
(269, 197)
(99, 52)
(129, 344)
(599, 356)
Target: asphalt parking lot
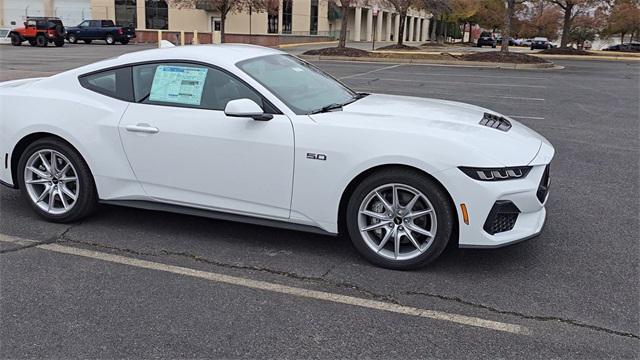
(84, 291)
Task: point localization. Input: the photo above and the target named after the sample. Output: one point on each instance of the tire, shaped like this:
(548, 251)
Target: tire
(59, 42)
(16, 40)
(87, 41)
(124, 41)
(110, 39)
(72, 39)
(409, 183)
(41, 41)
(493, 46)
(83, 187)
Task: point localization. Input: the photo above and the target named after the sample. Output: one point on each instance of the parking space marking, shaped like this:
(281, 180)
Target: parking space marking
(526, 117)
(278, 288)
(451, 82)
(372, 71)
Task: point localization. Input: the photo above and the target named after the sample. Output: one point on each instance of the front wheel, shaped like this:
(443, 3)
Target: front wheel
(399, 219)
(16, 40)
(72, 39)
(56, 181)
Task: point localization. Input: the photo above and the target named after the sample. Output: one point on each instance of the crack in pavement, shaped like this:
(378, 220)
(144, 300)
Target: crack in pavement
(526, 316)
(197, 258)
(34, 243)
(322, 280)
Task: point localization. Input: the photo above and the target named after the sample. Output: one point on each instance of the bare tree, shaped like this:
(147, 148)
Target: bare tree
(402, 7)
(223, 7)
(571, 9)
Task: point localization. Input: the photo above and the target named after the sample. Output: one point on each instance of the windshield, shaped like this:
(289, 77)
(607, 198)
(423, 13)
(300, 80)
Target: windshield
(304, 88)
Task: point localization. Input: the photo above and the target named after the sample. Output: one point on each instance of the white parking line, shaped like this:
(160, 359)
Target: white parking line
(372, 71)
(448, 82)
(526, 117)
(277, 288)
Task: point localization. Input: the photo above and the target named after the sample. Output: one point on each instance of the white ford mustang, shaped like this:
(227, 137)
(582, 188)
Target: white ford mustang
(252, 134)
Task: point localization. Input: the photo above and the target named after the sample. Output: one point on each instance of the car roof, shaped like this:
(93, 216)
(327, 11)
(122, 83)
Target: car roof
(215, 53)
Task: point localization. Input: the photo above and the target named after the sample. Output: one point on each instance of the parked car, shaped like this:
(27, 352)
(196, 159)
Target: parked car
(39, 31)
(540, 43)
(486, 39)
(236, 132)
(628, 47)
(106, 30)
(4, 36)
(526, 42)
(515, 42)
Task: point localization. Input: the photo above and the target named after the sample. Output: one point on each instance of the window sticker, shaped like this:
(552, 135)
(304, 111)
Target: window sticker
(178, 84)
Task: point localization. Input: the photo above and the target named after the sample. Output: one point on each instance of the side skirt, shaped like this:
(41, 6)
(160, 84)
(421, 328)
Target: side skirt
(218, 215)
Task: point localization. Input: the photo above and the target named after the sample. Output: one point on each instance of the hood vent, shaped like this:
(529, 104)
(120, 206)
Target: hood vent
(495, 122)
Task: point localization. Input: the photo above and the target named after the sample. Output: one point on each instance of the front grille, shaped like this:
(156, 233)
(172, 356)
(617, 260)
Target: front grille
(543, 188)
(495, 122)
(502, 217)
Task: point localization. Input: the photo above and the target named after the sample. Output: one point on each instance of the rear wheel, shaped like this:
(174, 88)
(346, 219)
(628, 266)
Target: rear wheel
(399, 219)
(41, 41)
(16, 40)
(110, 39)
(56, 181)
(87, 41)
(73, 39)
(124, 41)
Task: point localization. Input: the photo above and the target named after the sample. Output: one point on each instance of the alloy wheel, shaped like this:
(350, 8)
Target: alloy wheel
(397, 221)
(51, 181)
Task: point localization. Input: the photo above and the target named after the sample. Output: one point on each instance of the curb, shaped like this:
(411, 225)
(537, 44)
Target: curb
(284, 46)
(478, 64)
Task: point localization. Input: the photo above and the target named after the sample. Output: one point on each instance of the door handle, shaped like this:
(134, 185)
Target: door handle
(142, 128)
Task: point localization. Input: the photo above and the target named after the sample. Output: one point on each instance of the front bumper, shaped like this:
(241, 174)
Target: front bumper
(480, 197)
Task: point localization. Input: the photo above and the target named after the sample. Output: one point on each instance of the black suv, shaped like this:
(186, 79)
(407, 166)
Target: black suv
(486, 39)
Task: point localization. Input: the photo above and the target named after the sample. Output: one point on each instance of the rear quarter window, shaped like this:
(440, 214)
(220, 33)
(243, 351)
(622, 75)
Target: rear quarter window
(115, 83)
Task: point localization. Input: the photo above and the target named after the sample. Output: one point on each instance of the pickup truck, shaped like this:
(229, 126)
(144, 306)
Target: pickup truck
(106, 30)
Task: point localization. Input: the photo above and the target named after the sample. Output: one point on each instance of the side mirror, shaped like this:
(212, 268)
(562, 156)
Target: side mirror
(246, 108)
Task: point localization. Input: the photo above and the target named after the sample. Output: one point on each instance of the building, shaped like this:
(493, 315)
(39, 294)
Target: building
(284, 22)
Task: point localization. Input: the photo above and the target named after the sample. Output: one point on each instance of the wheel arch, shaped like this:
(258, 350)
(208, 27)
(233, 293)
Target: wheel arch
(27, 140)
(346, 194)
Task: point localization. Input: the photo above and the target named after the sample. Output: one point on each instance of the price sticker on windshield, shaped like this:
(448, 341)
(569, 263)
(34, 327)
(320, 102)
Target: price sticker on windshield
(178, 84)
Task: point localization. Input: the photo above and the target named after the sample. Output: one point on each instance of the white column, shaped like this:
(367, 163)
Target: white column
(389, 27)
(425, 30)
(379, 26)
(397, 32)
(411, 29)
(369, 25)
(419, 29)
(404, 29)
(357, 24)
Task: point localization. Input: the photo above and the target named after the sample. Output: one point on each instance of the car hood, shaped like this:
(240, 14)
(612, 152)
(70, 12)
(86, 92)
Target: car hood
(458, 122)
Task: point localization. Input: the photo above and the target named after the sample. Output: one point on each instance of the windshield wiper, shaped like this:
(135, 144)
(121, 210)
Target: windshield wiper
(336, 106)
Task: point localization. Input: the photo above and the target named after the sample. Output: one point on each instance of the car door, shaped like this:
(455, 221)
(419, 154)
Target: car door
(183, 149)
(82, 32)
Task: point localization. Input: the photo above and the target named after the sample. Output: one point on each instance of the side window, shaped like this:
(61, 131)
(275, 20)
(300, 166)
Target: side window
(115, 83)
(94, 23)
(188, 85)
(84, 24)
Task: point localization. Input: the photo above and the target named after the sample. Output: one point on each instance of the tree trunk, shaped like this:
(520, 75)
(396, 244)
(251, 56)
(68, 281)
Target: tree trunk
(506, 32)
(343, 29)
(566, 27)
(622, 34)
(403, 19)
(223, 20)
(434, 30)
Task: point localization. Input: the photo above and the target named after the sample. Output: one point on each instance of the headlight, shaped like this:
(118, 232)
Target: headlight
(496, 174)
